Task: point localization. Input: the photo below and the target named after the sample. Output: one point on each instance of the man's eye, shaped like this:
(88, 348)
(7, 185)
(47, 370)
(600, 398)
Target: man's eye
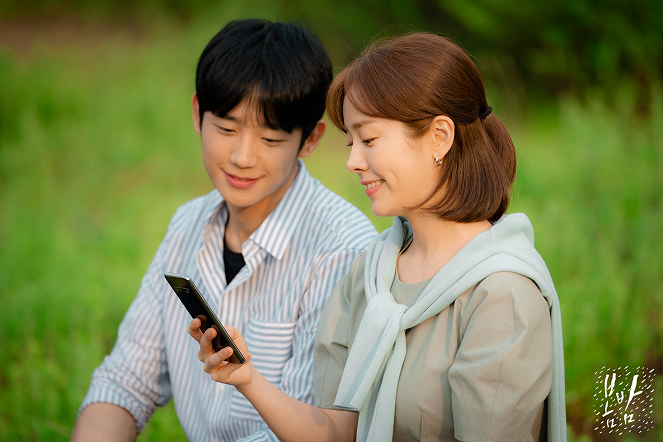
(224, 129)
(272, 141)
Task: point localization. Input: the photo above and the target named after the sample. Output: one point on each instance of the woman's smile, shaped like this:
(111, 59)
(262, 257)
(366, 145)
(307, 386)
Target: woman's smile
(396, 171)
(372, 187)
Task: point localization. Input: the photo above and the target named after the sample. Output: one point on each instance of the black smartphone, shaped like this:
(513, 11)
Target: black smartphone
(194, 302)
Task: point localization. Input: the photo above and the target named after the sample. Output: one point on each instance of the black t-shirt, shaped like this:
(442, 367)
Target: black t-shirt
(232, 261)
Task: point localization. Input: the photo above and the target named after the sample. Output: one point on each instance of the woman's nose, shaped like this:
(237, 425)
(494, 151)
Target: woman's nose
(356, 162)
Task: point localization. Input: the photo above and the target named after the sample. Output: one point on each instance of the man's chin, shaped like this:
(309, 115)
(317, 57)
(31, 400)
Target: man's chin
(239, 202)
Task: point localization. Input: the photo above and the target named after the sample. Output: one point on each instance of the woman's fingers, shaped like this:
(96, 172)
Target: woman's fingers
(205, 341)
(218, 359)
(194, 329)
(239, 341)
(216, 363)
(232, 331)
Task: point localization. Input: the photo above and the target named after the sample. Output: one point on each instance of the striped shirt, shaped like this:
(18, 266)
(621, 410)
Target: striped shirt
(293, 261)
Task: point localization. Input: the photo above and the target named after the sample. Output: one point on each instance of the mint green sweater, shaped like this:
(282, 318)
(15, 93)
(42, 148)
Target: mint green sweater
(373, 367)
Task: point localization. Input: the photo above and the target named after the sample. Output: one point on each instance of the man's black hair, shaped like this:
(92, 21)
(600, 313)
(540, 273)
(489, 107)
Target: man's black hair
(281, 68)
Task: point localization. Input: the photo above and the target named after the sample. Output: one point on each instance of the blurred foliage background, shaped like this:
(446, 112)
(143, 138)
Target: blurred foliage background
(97, 152)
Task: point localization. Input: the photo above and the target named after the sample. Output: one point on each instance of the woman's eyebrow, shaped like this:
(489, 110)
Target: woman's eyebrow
(361, 123)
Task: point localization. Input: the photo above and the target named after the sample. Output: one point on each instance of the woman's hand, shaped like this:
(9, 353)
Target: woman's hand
(290, 419)
(216, 363)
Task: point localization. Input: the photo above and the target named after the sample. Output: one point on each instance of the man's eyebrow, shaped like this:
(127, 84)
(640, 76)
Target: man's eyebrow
(231, 118)
(261, 124)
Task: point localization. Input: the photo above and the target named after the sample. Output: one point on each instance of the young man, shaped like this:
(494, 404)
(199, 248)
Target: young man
(265, 248)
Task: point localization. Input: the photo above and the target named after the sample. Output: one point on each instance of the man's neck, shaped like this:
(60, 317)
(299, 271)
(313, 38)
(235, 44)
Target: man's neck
(243, 221)
(241, 225)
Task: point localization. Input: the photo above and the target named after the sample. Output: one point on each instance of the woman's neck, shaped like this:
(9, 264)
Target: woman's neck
(435, 242)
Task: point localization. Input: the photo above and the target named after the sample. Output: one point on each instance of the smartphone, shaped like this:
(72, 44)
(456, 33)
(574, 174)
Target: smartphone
(194, 302)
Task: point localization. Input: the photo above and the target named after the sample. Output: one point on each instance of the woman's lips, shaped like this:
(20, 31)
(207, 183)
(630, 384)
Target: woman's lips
(373, 186)
(240, 182)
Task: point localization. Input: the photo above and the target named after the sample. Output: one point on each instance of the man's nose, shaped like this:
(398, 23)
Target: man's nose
(243, 154)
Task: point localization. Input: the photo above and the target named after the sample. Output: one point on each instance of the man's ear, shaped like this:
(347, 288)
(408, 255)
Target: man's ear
(313, 139)
(442, 131)
(196, 113)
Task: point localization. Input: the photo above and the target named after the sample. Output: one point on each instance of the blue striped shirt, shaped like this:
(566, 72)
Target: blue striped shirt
(293, 261)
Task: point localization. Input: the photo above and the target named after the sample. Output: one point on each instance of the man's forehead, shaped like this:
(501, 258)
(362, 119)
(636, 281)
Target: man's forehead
(249, 114)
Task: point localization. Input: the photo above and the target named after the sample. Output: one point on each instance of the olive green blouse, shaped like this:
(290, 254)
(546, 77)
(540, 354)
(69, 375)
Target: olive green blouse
(478, 371)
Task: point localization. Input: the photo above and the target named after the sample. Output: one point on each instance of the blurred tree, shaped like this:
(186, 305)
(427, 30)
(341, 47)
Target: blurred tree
(550, 47)
(565, 45)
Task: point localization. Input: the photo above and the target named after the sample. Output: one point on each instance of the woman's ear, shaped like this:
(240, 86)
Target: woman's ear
(442, 131)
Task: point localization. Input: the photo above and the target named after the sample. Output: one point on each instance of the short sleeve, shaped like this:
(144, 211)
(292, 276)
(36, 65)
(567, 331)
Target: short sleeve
(502, 371)
(340, 315)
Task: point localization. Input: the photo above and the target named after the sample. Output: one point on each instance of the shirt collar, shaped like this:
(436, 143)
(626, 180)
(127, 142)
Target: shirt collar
(276, 231)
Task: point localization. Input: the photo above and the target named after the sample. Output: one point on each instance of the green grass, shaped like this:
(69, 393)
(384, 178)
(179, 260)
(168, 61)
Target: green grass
(97, 151)
(590, 181)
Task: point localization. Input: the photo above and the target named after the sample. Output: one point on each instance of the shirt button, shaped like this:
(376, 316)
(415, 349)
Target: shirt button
(219, 388)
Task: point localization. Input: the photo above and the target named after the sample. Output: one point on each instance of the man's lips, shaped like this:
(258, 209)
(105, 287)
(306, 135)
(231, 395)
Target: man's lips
(239, 182)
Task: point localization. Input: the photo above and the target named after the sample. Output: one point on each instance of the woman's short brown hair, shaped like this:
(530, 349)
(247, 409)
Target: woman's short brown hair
(416, 77)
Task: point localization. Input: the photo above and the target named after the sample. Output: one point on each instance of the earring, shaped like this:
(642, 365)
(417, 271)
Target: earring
(438, 161)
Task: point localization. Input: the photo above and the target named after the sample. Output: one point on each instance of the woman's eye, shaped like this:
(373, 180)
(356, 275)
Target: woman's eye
(365, 142)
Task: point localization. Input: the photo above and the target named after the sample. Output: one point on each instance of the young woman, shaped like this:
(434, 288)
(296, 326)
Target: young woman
(448, 327)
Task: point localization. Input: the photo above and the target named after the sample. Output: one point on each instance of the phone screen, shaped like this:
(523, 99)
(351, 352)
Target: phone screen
(193, 301)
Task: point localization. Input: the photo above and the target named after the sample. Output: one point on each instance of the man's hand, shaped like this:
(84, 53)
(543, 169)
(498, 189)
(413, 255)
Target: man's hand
(216, 363)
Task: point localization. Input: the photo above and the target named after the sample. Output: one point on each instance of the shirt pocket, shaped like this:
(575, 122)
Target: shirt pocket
(270, 344)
